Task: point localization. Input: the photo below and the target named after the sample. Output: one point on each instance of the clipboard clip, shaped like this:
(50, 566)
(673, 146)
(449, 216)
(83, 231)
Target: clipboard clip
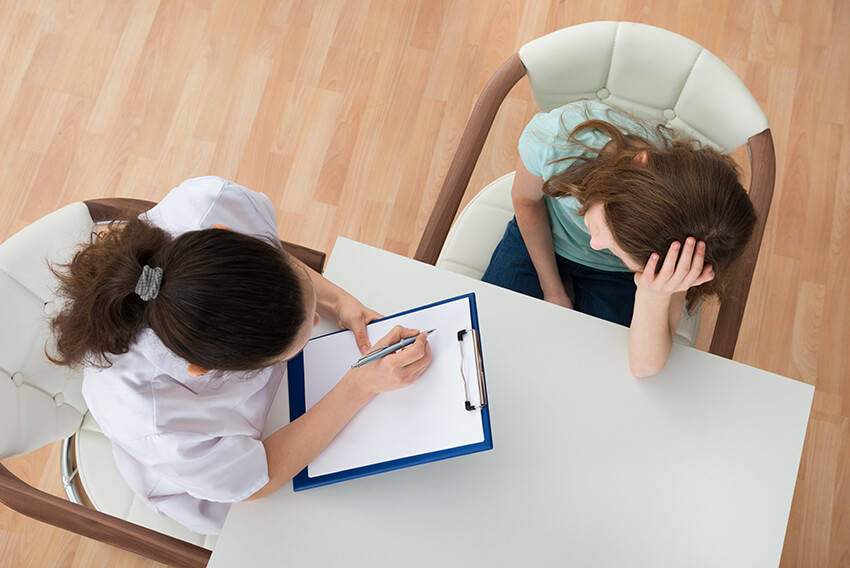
(481, 399)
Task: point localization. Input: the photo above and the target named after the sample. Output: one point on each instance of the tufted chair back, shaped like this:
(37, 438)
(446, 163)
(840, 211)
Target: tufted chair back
(653, 73)
(650, 72)
(39, 401)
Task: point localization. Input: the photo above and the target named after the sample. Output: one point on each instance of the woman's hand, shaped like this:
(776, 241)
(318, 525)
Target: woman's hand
(658, 304)
(558, 297)
(351, 314)
(291, 448)
(334, 302)
(395, 370)
(678, 273)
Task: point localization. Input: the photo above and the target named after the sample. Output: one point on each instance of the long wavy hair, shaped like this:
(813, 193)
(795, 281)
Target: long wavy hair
(227, 301)
(683, 189)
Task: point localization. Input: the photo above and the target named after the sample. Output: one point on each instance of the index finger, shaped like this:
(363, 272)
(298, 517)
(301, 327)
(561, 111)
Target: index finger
(361, 336)
(412, 353)
(395, 335)
(649, 268)
(670, 260)
(358, 327)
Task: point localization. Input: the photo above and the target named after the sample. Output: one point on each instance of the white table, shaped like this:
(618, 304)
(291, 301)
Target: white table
(591, 467)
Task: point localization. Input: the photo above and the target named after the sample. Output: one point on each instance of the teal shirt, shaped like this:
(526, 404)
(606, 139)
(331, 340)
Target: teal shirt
(543, 142)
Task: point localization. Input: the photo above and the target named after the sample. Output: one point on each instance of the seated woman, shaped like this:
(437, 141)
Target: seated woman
(183, 319)
(600, 197)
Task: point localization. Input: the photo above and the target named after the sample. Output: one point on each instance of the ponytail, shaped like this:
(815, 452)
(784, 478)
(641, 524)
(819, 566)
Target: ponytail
(218, 299)
(103, 314)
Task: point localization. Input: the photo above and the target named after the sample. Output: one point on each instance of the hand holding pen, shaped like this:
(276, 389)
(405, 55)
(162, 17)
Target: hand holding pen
(380, 352)
(397, 360)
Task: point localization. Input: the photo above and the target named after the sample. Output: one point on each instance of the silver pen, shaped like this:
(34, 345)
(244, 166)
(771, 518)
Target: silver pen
(384, 351)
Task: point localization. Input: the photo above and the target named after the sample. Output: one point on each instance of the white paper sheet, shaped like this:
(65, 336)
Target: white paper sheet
(429, 415)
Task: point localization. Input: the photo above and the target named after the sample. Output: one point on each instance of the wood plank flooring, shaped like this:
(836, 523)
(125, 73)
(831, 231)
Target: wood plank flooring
(347, 114)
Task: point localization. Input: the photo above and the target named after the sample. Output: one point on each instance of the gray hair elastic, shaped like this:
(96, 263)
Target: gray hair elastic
(148, 285)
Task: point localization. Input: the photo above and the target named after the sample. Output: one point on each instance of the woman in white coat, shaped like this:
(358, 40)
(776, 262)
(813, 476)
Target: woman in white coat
(183, 319)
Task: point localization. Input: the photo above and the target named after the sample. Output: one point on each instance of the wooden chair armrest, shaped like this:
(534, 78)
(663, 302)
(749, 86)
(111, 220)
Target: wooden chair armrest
(313, 258)
(116, 208)
(466, 157)
(120, 208)
(763, 160)
(36, 504)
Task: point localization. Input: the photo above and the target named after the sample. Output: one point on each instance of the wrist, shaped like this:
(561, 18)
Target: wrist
(330, 300)
(553, 289)
(355, 387)
(660, 298)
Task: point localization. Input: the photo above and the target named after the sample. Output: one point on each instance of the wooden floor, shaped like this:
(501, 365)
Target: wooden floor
(347, 114)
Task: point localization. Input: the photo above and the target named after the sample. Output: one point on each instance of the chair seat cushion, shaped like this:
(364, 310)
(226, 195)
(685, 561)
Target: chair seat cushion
(109, 493)
(479, 228)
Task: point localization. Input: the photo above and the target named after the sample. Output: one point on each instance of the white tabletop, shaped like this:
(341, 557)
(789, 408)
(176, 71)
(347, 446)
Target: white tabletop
(591, 467)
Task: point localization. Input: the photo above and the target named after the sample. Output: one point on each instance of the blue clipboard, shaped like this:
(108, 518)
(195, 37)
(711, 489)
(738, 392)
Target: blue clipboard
(297, 407)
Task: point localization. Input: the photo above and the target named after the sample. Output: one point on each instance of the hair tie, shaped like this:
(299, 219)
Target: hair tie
(148, 285)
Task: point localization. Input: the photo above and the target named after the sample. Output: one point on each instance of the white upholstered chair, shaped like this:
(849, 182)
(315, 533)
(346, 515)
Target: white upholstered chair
(653, 73)
(41, 402)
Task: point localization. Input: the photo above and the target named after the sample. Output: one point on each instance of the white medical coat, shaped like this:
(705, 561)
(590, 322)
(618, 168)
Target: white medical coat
(189, 447)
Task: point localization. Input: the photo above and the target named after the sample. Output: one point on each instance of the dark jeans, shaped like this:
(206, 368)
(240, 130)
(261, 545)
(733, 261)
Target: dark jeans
(600, 293)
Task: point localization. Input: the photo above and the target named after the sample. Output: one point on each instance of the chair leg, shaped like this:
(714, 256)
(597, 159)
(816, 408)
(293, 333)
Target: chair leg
(68, 469)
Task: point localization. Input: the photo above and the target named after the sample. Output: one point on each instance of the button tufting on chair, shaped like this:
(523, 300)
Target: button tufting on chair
(31, 417)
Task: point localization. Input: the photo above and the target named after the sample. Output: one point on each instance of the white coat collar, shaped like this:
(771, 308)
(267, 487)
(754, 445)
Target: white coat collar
(155, 351)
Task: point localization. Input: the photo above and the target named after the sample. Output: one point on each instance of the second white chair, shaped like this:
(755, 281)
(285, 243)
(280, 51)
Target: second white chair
(653, 73)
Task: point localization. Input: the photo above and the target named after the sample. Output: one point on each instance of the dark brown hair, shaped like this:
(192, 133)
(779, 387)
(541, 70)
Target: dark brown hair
(683, 190)
(227, 301)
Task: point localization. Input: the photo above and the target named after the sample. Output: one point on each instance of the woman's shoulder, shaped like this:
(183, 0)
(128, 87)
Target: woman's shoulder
(571, 114)
(200, 203)
(545, 142)
(118, 395)
(558, 122)
(562, 120)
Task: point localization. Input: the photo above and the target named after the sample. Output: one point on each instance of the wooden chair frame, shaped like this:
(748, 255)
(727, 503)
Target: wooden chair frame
(117, 208)
(36, 504)
(763, 173)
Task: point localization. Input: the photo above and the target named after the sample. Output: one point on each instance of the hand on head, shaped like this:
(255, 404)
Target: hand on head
(683, 268)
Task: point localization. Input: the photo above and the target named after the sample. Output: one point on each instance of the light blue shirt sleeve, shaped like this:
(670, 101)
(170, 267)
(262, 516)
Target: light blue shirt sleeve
(543, 145)
(546, 151)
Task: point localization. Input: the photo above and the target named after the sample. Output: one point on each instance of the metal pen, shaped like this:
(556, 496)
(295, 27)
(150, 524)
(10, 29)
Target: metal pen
(384, 351)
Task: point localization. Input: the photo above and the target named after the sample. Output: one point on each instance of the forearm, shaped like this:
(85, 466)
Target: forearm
(533, 221)
(291, 448)
(651, 332)
(328, 295)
